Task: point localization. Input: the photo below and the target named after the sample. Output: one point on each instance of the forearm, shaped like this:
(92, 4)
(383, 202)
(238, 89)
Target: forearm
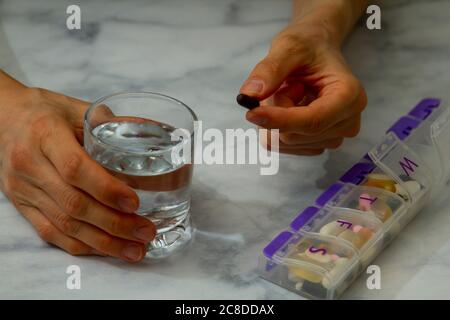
(337, 17)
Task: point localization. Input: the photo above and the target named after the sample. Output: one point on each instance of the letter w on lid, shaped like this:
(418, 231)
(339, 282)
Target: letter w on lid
(408, 165)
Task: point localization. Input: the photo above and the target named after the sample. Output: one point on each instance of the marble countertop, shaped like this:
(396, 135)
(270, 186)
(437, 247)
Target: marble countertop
(200, 51)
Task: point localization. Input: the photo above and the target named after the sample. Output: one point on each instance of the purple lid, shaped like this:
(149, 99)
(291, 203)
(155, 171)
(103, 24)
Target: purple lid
(424, 108)
(358, 173)
(328, 194)
(403, 127)
(277, 243)
(303, 218)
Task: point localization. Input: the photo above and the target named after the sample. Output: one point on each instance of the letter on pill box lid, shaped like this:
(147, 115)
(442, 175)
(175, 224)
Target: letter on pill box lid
(358, 172)
(424, 108)
(303, 218)
(328, 194)
(403, 127)
(277, 243)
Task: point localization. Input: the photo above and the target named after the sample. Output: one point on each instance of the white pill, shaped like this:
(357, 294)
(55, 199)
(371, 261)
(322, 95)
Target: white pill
(331, 229)
(409, 187)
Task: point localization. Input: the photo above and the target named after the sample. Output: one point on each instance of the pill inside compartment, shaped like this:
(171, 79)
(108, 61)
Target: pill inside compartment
(320, 266)
(364, 232)
(370, 200)
(401, 170)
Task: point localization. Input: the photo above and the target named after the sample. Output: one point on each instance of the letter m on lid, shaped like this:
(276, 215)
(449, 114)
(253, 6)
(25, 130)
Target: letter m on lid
(407, 165)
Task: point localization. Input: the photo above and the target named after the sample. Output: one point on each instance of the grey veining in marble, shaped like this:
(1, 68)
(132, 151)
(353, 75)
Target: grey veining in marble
(200, 51)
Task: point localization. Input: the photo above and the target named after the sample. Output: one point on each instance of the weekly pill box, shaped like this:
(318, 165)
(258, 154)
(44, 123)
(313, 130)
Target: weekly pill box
(330, 242)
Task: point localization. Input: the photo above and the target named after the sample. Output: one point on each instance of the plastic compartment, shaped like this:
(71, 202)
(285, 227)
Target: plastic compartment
(313, 265)
(440, 135)
(352, 226)
(377, 197)
(358, 173)
(373, 201)
(401, 164)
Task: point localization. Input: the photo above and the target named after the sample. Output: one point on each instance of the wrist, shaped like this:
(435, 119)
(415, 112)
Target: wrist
(332, 19)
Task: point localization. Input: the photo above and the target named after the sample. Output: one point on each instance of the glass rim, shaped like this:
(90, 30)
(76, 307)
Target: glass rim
(138, 93)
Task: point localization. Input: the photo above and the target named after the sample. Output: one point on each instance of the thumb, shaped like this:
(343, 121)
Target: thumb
(270, 73)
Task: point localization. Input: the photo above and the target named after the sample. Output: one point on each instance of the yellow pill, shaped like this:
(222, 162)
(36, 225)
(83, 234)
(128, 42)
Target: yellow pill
(305, 274)
(365, 234)
(381, 181)
(382, 210)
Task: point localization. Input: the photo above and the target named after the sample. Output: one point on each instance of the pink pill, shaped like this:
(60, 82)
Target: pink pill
(334, 257)
(357, 228)
(365, 202)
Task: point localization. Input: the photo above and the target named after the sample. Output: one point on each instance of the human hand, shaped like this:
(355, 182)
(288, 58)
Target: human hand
(70, 200)
(307, 91)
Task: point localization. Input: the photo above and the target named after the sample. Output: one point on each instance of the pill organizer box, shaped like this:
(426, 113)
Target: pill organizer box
(329, 243)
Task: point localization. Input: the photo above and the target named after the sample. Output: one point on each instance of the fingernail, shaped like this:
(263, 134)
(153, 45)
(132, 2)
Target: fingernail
(145, 233)
(258, 120)
(132, 252)
(253, 86)
(127, 204)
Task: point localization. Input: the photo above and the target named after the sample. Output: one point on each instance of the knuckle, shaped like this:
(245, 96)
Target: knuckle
(105, 243)
(45, 231)
(41, 126)
(75, 248)
(71, 167)
(19, 157)
(352, 132)
(288, 41)
(294, 44)
(288, 138)
(74, 203)
(319, 152)
(335, 144)
(362, 101)
(354, 92)
(116, 225)
(316, 124)
(69, 226)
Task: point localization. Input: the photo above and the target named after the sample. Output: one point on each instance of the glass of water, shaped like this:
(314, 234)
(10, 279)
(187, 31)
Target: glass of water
(136, 137)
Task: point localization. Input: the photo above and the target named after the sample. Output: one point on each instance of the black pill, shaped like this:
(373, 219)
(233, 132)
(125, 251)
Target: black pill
(247, 101)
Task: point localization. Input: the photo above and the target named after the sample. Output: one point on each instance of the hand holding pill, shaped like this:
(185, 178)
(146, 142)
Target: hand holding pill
(306, 90)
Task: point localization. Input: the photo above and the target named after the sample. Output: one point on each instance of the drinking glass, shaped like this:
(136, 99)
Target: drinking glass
(146, 140)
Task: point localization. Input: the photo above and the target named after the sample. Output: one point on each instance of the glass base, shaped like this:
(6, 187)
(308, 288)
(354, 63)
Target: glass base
(167, 243)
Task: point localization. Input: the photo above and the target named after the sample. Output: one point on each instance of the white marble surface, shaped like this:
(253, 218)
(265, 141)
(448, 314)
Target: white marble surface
(200, 51)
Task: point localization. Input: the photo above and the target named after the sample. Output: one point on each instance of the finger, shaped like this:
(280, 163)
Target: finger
(74, 111)
(82, 207)
(78, 169)
(49, 233)
(333, 143)
(302, 152)
(348, 128)
(99, 115)
(314, 119)
(266, 138)
(86, 233)
(286, 55)
(289, 95)
(295, 151)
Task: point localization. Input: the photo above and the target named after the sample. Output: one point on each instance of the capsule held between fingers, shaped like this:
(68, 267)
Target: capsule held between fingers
(247, 101)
